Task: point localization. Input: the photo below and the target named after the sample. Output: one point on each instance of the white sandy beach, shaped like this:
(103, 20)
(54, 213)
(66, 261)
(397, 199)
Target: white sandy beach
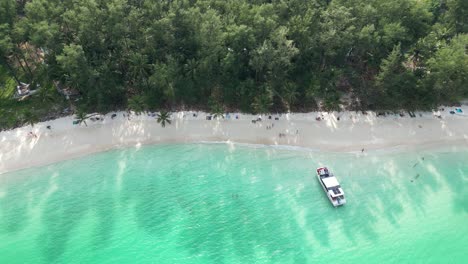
(352, 133)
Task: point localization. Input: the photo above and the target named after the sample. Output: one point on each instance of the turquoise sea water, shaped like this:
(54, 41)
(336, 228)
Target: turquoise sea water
(219, 203)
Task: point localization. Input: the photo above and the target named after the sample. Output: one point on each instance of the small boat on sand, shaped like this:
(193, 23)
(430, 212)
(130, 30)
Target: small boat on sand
(331, 186)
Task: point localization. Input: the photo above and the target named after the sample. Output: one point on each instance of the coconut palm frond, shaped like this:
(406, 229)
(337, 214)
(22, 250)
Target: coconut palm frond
(164, 118)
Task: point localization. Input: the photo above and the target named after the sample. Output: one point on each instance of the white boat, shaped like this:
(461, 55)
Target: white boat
(331, 186)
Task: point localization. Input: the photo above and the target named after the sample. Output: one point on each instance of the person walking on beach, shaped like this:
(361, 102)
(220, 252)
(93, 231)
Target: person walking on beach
(32, 134)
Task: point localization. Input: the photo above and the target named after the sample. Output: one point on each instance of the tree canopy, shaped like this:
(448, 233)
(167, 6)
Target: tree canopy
(249, 55)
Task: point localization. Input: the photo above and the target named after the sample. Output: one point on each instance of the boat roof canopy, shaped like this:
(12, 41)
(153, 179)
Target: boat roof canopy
(330, 182)
(322, 171)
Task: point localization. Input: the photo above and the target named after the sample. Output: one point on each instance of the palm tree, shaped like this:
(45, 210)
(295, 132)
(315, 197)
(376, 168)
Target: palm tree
(12, 71)
(30, 118)
(289, 95)
(81, 117)
(217, 111)
(138, 68)
(137, 104)
(163, 118)
(191, 68)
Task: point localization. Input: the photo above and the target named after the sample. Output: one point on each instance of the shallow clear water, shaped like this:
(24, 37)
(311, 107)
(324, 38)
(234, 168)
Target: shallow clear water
(218, 203)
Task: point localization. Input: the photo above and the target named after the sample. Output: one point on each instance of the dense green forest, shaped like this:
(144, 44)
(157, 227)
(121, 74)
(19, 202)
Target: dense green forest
(248, 55)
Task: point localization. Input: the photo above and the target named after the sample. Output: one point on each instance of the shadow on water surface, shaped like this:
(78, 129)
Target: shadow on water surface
(80, 194)
(380, 188)
(455, 175)
(213, 205)
(13, 203)
(249, 203)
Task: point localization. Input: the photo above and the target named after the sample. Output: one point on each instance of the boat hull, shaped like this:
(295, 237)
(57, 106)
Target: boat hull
(334, 202)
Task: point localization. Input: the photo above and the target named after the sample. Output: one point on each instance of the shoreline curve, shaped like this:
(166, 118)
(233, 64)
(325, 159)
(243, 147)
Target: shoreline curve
(345, 132)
